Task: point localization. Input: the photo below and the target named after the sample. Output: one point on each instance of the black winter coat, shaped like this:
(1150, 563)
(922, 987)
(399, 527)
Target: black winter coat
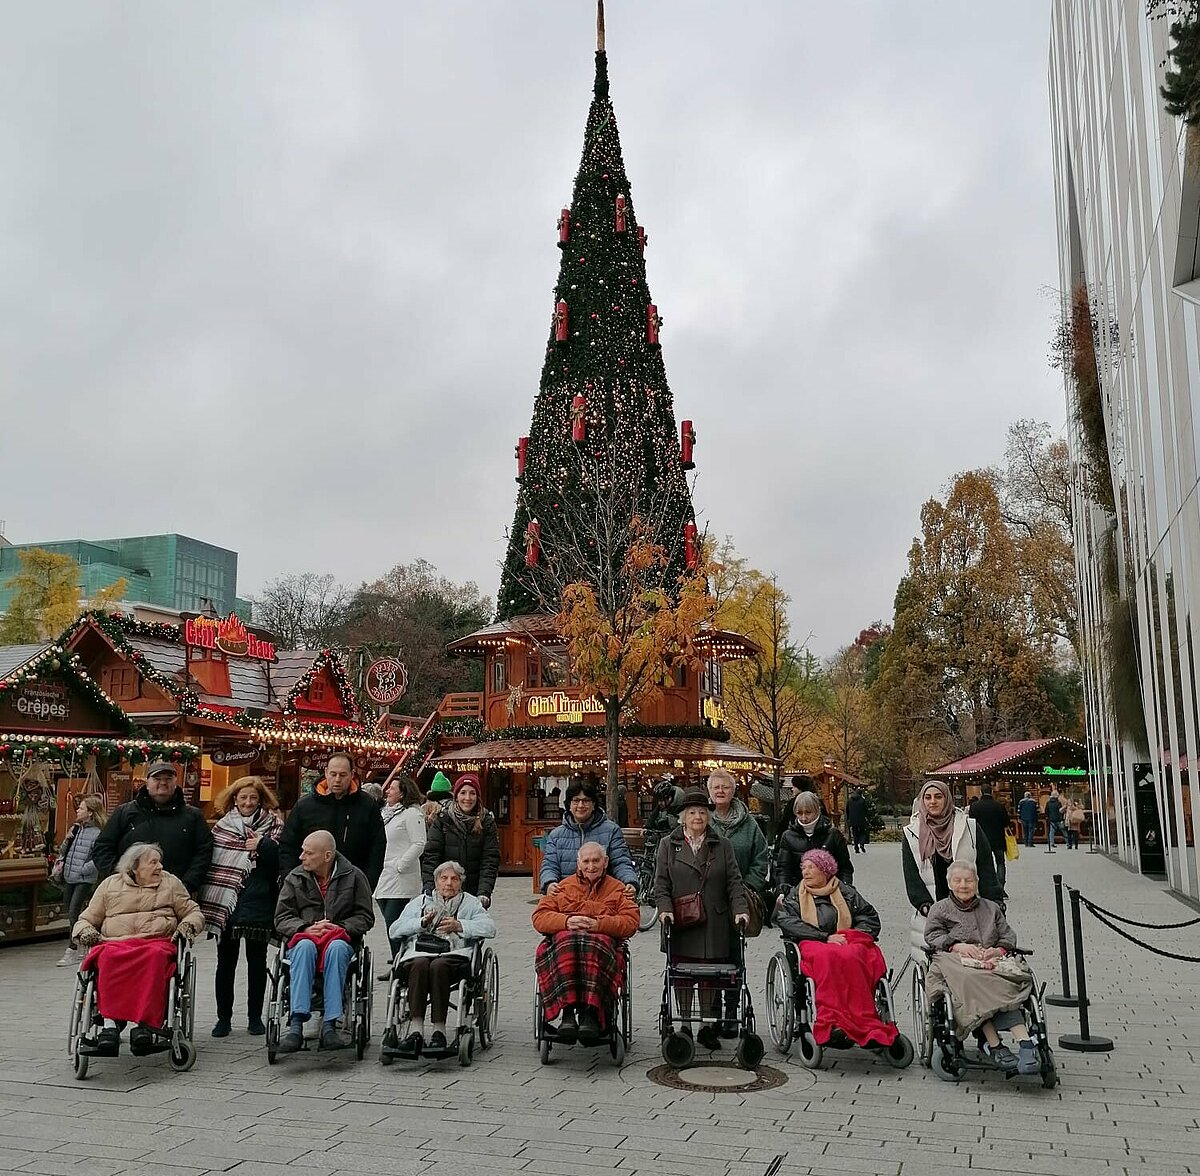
(353, 819)
(256, 902)
(863, 916)
(178, 828)
(992, 818)
(795, 843)
(856, 811)
(477, 853)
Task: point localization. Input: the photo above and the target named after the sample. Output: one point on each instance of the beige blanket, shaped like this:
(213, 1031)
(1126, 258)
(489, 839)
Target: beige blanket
(977, 995)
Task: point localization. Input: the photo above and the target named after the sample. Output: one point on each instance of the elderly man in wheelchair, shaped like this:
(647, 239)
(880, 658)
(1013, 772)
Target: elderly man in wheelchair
(581, 963)
(324, 910)
(131, 928)
(441, 933)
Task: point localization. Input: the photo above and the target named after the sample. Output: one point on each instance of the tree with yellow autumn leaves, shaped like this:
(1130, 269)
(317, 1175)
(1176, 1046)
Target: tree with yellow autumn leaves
(46, 597)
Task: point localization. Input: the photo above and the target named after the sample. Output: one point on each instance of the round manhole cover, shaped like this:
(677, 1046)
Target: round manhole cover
(717, 1079)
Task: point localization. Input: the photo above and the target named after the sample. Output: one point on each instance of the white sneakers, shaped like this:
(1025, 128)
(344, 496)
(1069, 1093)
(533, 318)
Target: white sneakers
(70, 958)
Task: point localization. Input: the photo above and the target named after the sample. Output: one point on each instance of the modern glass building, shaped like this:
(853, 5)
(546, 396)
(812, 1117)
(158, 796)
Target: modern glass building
(171, 571)
(1127, 187)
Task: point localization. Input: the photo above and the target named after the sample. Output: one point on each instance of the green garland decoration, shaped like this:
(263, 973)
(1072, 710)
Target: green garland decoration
(331, 660)
(63, 751)
(55, 662)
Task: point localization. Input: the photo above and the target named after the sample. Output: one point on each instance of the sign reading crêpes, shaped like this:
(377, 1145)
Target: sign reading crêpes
(563, 707)
(228, 635)
(45, 702)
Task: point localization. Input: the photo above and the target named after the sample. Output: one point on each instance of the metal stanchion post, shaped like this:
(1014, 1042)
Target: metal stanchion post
(1064, 998)
(1083, 1041)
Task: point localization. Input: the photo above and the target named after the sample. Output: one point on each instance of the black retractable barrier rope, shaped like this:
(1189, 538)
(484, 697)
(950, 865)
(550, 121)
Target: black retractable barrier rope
(1170, 955)
(1096, 908)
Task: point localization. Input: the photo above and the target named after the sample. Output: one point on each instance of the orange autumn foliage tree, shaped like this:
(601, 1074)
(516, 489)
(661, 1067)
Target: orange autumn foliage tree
(628, 632)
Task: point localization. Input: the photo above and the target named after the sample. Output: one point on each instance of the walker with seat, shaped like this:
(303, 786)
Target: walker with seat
(175, 1035)
(357, 1000)
(474, 1001)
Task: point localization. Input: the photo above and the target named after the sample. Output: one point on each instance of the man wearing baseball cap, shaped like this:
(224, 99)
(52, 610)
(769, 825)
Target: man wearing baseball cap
(158, 814)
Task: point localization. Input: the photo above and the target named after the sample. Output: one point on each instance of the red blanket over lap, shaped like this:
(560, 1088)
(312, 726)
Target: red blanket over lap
(845, 977)
(132, 977)
(322, 941)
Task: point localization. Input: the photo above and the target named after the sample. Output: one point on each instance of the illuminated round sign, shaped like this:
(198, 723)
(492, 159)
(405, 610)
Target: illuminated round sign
(386, 681)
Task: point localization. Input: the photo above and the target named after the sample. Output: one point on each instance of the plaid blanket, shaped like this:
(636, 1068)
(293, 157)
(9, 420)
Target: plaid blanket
(231, 864)
(578, 968)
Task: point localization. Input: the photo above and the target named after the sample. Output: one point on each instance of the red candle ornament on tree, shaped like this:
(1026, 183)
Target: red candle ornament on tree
(642, 240)
(522, 452)
(533, 539)
(653, 323)
(564, 228)
(620, 213)
(560, 322)
(579, 419)
(691, 551)
(687, 441)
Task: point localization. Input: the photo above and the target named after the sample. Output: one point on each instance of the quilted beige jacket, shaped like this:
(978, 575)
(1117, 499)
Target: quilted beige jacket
(121, 909)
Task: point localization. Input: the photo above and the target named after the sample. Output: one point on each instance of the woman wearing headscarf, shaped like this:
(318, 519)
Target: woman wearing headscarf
(465, 832)
(937, 835)
(239, 894)
(836, 929)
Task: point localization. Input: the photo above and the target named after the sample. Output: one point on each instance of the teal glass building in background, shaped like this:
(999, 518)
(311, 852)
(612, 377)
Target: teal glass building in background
(170, 571)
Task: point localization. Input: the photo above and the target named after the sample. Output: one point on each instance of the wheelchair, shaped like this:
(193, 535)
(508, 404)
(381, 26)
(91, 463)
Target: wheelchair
(357, 1001)
(937, 1043)
(792, 1012)
(178, 1029)
(704, 979)
(618, 1018)
(474, 1001)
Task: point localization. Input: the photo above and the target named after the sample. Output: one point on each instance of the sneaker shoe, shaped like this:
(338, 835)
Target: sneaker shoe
(331, 1037)
(1002, 1058)
(412, 1045)
(106, 1044)
(222, 1027)
(384, 977)
(1028, 1061)
(292, 1040)
(143, 1041)
(70, 958)
(255, 1027)
(708, 1037)
(438, 1041)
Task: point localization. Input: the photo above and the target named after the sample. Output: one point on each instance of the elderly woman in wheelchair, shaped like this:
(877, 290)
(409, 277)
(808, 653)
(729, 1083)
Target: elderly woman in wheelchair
(582, 962)
(441, 933)
(829, 986)
(130, 929)
(976, 967)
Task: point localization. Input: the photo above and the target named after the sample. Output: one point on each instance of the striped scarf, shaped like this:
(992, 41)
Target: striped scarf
(231, 864)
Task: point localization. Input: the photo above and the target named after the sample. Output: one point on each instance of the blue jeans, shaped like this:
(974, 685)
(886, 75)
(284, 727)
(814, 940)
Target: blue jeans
(303, 965)
(1027, 826)
(1051, 828)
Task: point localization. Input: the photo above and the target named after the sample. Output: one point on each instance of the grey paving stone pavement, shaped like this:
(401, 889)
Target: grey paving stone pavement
(1135, 1110)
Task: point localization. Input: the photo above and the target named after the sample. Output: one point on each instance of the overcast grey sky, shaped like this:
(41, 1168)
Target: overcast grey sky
(278, 275)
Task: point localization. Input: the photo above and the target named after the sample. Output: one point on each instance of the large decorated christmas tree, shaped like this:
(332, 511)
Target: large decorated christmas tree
(604, 421)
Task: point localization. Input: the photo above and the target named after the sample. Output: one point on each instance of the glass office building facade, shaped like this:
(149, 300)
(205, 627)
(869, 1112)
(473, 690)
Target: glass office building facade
(171, 571)
(1127, 188)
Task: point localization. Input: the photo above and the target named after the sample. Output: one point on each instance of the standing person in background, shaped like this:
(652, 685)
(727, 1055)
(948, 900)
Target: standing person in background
(1027, 810)
(856, 819)
(812, 830)
(992, 817)
(340, 807)
(239, 895)
(1075, 815)
(1054, 818)
(404, 827)
(439, 797)
(465, 833)
(74, 870)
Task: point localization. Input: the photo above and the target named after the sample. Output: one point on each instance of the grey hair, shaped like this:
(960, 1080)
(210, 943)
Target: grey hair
(128, 862)
(807, 800)
(453, 866)
(962, 867)
(603, 851)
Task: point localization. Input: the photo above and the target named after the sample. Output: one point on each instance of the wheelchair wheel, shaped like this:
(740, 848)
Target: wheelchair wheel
(781, 1002)
(616, 1047)
(82, 1013)
(544, 1052)
(647, 911)
(466, 1048)
(900, 1053)
(182, 1055)
(811, 1053)
(186, 1011)
(943, 1066)
(1049, 1069)
(922, 1019)
(489, 1007)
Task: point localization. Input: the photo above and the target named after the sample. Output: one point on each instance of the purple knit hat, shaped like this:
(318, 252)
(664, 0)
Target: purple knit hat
(823, 860)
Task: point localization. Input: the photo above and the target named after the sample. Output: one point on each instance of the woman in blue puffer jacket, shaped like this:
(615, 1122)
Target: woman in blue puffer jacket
(584, 821)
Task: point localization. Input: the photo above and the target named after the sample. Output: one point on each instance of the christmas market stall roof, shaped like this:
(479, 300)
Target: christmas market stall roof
(1024, 756)
(721, 644)
(641, 751)
(13, 657)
